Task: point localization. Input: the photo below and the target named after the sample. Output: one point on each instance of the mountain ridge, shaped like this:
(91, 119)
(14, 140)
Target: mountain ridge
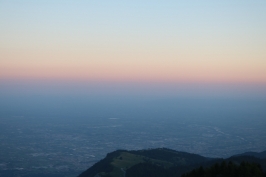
(121, 163)
(260, 155)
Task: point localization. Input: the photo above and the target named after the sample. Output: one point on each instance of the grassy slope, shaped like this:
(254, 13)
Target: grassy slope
(126, 160)
(117, 162)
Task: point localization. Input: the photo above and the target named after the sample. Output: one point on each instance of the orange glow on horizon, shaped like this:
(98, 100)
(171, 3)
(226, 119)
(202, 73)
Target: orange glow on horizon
(137, 67)
(132, 74)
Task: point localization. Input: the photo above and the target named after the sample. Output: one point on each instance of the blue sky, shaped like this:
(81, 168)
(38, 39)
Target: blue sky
(173, 42)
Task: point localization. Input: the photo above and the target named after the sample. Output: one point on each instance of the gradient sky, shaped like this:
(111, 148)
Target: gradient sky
(133, 41)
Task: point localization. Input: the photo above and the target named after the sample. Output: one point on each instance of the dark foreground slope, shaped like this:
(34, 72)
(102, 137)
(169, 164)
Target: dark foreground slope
(160, 162)
(230, 169)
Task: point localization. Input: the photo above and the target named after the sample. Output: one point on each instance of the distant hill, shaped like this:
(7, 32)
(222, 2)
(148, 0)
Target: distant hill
(260, 155)
(161, 162)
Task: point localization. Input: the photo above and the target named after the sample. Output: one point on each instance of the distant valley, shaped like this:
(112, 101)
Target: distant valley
(62, 147)
(64, 142)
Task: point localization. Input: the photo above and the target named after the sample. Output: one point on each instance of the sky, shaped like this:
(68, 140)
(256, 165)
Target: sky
(202, 61)
(135, 43)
